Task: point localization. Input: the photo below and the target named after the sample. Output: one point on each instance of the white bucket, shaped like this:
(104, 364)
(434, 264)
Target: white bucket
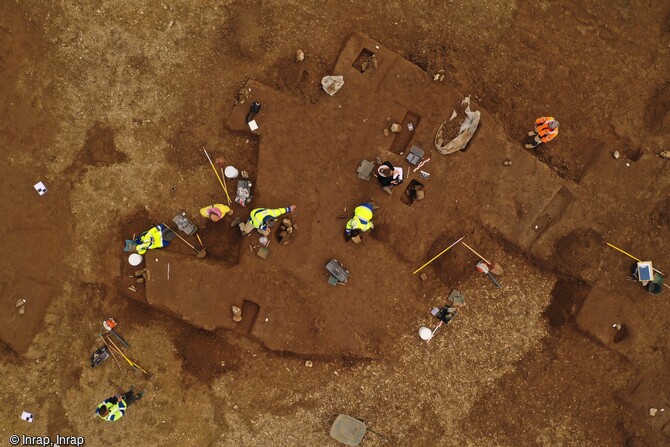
(135, 259)
(425, 333)
(231, 172)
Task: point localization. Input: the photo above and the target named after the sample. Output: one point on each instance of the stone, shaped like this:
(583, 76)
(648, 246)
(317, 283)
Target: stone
(286, 222)
(299, 56)
(308, 363)
(242, 95)
(616, 155)
(237, 313)
(289, 230)
(653, 411)
(420, 194)
(356, 239)
(507, 163)
(665, 154)
(424, 276)
(396, 128)
(387, 132)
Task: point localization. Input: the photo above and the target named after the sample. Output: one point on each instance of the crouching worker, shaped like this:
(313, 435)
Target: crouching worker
(388, 176)
(215, 212)
(360, 223)
(262, 219)
(546, 129)
(157, 237)
(114, 408)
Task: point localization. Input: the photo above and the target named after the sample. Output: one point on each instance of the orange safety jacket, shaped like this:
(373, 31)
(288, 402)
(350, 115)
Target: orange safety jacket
(543, 131)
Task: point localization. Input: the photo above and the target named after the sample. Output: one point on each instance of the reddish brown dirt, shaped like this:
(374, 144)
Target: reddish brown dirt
(110, 107)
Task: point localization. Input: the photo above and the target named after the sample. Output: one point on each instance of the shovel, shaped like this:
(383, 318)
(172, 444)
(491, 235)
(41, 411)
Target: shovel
(495, 268)
(482, 267)
(199, 253)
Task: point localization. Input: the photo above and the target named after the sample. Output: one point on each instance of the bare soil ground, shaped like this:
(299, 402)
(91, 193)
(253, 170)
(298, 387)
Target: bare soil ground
(109, 105)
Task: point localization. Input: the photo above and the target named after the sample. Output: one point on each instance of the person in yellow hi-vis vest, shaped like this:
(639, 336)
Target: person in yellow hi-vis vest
(114, 408)
(215, 212)
(361, 222)
(157, 237)
(262, 219)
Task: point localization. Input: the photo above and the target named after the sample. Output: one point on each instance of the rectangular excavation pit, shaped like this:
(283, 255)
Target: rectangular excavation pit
(364, 60)
(552, 212)
(249, 314)
(402, 140)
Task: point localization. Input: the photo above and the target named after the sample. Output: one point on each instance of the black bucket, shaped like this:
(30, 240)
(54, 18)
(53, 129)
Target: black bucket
(655, 288)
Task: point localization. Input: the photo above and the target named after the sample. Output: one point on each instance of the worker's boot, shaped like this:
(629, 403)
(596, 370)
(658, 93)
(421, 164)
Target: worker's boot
(387, 189)
(532, 133)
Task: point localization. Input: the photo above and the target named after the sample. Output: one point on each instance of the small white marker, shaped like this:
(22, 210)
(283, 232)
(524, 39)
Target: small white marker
(40, 188)
(253, 125)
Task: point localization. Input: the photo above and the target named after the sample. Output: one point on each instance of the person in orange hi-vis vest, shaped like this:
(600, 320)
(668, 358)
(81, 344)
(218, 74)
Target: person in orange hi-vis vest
(546, 129)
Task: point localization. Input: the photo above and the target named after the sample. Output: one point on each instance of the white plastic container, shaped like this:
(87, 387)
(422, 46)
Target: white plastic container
(425, 333)
(135, 259)
(231, 172)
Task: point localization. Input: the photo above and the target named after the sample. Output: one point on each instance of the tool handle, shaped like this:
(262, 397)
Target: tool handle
(118, 337)
(495, 281)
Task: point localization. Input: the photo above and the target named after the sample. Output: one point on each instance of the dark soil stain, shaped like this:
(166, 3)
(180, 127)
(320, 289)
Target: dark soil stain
(566, 300)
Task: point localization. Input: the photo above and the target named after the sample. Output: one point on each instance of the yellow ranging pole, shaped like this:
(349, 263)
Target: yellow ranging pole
(632, 257)
(130, 362)
(437, 256)
(217, 176)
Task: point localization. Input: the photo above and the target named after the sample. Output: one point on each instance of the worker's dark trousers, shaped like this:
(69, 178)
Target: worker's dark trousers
(130, 397)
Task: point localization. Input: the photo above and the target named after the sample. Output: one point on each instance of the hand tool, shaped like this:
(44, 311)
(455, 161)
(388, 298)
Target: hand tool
(199, 253)
(109, 324)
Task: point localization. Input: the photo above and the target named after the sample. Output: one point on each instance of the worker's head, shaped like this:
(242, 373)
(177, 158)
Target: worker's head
(102, 411)
(270, 221)
(168, 234)
(384, 171)
(553, 124)
(214, 214)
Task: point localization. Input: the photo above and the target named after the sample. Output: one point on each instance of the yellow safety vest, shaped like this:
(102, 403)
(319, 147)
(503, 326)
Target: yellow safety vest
(258, 216)
(150, 239)
(362, 219)
(114, 411)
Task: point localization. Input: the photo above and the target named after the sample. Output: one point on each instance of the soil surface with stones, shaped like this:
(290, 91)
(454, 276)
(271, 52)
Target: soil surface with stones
(110, 105)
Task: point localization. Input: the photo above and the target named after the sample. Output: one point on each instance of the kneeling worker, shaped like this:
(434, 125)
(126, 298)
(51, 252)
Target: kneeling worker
(388, 176)
(215, 212)
(263, 219)
(157, 237)
(361, 222)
